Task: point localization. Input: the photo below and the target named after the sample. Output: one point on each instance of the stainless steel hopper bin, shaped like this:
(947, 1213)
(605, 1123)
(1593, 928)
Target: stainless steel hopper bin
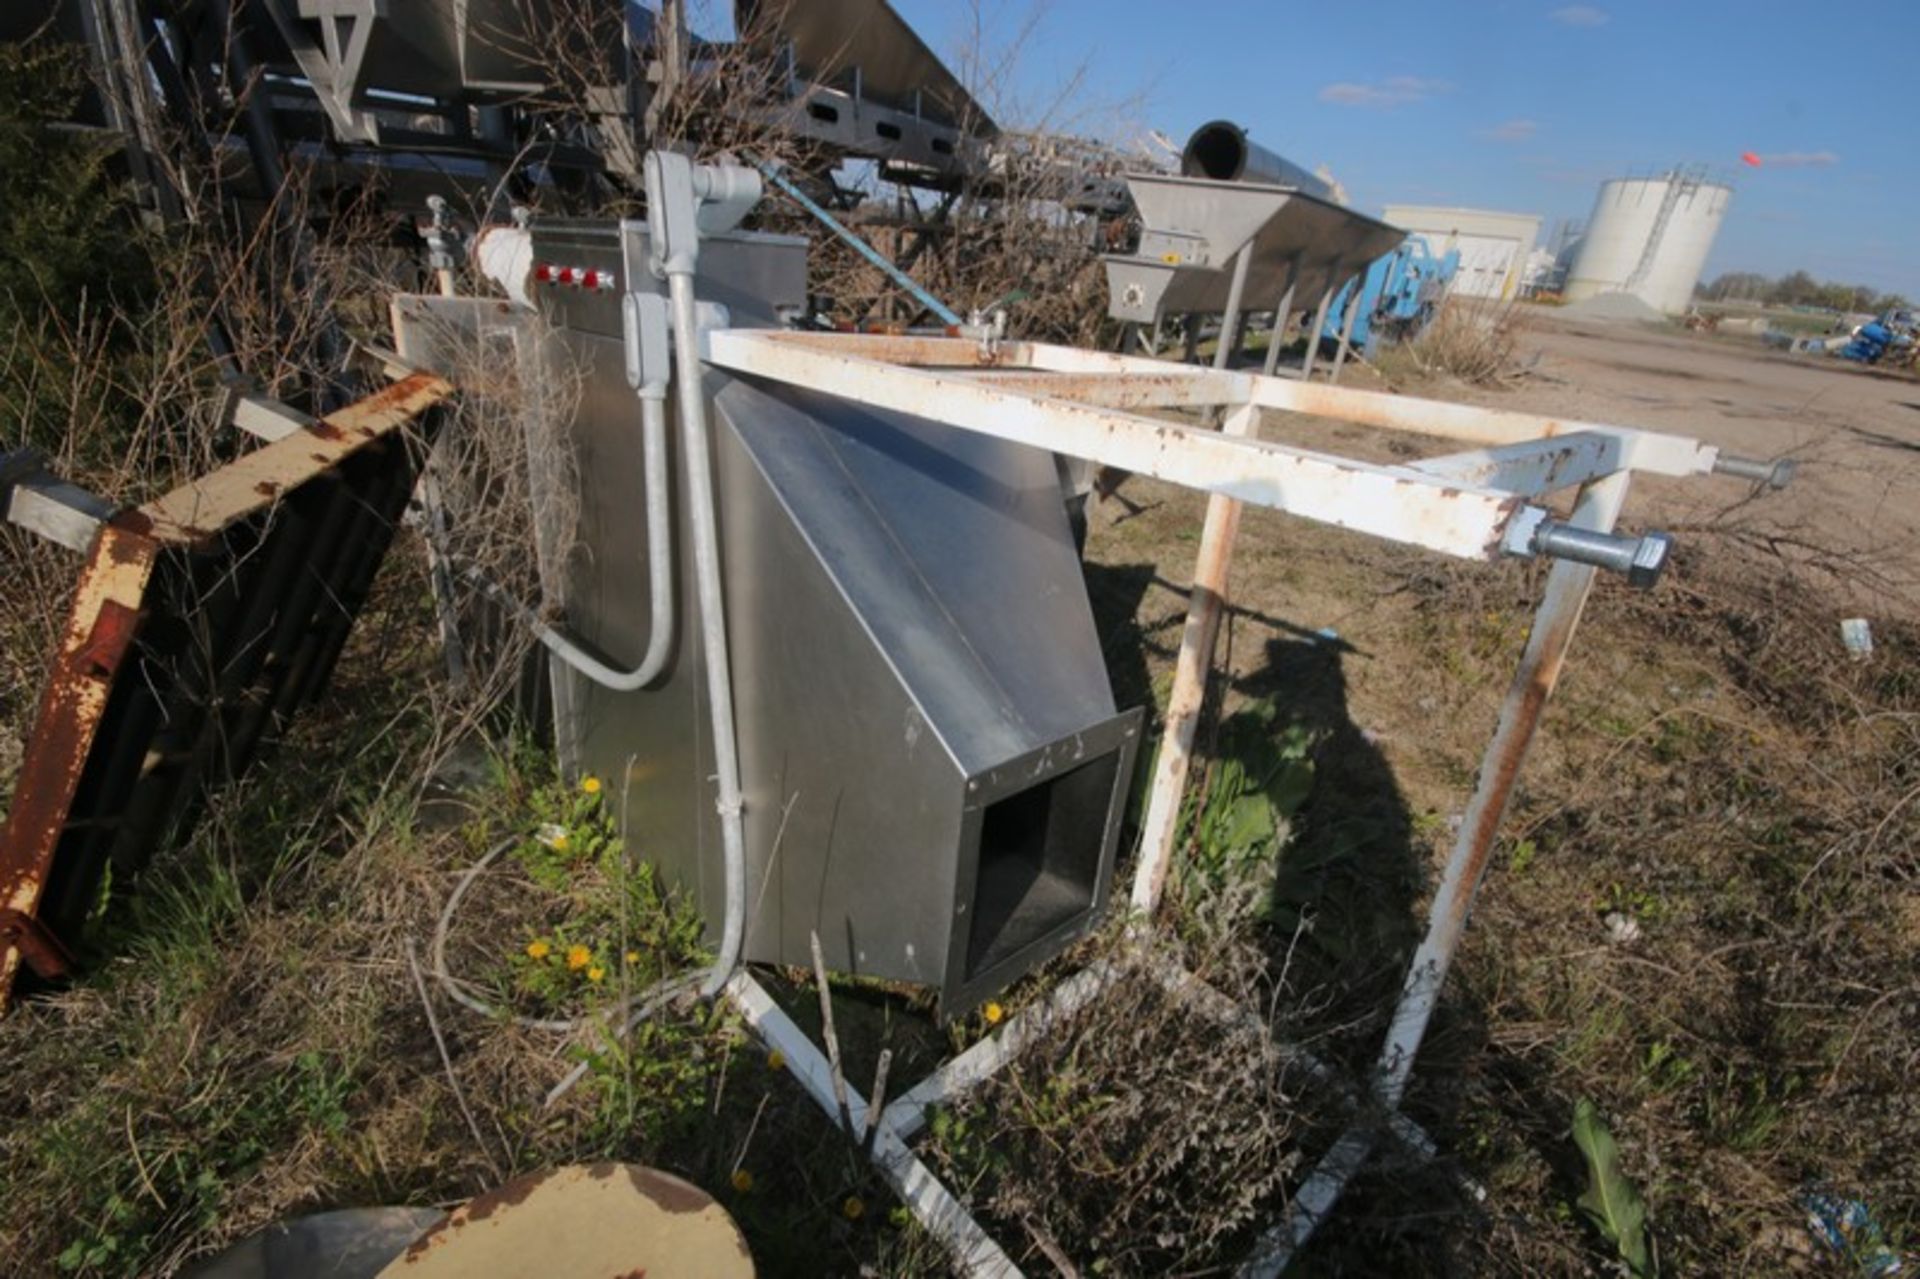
(934, 769)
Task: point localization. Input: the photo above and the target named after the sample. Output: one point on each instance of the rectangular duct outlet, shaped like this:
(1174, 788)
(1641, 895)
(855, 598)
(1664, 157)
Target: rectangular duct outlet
(1039, 863)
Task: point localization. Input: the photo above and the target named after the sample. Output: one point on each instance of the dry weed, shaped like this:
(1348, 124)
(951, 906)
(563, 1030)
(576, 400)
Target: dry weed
(1471, 340)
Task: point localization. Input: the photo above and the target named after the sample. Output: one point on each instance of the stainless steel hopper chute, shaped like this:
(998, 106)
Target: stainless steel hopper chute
(1192, 229)
(932, 766)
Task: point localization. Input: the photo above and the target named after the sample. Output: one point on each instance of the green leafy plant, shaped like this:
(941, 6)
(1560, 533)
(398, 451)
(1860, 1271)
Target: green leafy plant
(1262, 775)
(617, 928)
(1639, 903)
(1611, 1203)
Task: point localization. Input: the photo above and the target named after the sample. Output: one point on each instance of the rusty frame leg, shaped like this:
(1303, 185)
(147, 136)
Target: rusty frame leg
(1568, 586)
(1204, 607)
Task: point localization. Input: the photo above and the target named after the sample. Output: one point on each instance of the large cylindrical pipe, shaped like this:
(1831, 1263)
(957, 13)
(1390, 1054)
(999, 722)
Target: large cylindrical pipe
(1219, 149)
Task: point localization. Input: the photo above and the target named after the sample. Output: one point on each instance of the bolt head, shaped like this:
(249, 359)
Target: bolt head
(1649, 560)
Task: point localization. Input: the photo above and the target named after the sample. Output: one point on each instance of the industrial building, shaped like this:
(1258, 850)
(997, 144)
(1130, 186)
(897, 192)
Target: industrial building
(1493, 246)
(1649, 237)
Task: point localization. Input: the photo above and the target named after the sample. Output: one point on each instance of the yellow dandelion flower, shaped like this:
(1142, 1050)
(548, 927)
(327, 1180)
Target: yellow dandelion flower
(993, 1012)
(578, 957)
(742, 1180)
(776, 1060)
(851, 1208)
(560, 843)
(595, 973)
(591, 785)
(538, 948)
(632, 957)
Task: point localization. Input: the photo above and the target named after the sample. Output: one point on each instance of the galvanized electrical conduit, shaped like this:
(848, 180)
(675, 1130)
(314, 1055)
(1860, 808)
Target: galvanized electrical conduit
(676, 192)
(697, 445)
(659, 506)
(504, 254)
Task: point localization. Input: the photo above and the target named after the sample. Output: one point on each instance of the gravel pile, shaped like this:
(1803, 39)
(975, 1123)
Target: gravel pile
(1614, 306)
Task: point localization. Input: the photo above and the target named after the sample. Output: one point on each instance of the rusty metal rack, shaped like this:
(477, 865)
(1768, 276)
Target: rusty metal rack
(201, 621)
(1485, 500)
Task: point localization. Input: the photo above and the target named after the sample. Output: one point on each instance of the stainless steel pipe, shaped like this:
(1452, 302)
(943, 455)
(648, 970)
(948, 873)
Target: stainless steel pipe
(1220, 150)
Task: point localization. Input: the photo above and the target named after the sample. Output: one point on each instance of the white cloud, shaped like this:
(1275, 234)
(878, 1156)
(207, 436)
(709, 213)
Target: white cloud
(1394, 91)
(1513, 131)
(1800, 160)
(1580, 15)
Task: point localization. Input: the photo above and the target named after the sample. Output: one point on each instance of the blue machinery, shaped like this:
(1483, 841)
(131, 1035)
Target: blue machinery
(1892, 332)
(1399, 295)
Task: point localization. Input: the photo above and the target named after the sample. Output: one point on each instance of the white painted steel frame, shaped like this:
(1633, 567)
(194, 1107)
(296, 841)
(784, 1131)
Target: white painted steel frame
(1466, 504)
(1393, 502)
(1104, 378)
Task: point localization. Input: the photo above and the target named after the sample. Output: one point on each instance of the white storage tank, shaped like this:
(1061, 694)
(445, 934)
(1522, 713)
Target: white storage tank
(1493, 246)
(1649, 237)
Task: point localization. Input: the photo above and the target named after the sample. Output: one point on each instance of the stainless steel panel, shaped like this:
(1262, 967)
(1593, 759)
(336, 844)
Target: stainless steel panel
(760, 279)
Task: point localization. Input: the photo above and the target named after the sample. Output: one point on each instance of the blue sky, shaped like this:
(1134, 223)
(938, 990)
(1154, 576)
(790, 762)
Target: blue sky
(1521, 104)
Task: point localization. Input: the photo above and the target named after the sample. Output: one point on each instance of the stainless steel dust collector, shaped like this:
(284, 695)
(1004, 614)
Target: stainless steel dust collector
(933, 771)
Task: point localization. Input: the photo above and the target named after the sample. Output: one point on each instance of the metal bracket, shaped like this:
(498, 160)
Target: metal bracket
(346, 28)
(644, 329)
(262, 416)
(43, 952)
(686, 201)
(41, 502)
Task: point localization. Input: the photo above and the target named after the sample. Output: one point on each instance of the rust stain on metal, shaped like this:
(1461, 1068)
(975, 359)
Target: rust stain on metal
(132, 521)
(911, 349)
(478, 1208)
(1533, 688)
(98, 636)
(42, 951)
(105, 619)
(198, 511)
(1120, 391)
(671, 1193)
(426, 1243)
(113, 630)
(517, 1191)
